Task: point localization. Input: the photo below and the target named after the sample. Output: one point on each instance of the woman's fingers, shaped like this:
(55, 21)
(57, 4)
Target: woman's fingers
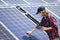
(29, 32)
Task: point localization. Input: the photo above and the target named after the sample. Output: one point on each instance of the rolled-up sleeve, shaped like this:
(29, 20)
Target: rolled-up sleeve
(38, 26)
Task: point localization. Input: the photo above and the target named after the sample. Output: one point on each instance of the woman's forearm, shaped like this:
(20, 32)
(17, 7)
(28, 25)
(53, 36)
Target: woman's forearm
(30, 32)
(49, 28)
(33, 30)
(46, 28)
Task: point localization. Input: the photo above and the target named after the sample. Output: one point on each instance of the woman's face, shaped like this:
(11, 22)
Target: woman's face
(42, 13)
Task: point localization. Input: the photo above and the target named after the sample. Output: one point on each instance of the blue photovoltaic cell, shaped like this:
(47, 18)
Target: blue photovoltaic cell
(1, 3)
(32, 11)
(19, 24)
(4, 34)
(15, 1)
(35, 1)
(54, 9)
(53, 1)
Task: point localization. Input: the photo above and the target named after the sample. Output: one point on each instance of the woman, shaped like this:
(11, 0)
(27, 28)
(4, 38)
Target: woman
(48, 24)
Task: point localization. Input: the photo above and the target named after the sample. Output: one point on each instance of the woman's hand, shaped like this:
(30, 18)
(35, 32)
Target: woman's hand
(29, 32)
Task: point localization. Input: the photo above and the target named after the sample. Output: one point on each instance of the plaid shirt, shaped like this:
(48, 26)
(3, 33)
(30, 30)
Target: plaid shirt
(49, 21)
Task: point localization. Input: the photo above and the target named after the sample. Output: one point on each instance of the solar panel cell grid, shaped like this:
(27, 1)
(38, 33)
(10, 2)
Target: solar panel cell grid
(1, 3)
(52, 1)
(4, 34)
(35, 1)
(15, 2)
(19, 24)
(32, 11)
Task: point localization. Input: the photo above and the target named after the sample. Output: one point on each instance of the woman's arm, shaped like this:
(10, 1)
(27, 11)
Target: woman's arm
(30, 32)
(46, 28)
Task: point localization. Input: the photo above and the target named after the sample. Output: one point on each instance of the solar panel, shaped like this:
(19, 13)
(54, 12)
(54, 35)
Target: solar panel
(35, 1)
(19, 24)
(32, 11)
(52, 1)
(28, 15)
(15, 2)
(1, 3)
(4, 34)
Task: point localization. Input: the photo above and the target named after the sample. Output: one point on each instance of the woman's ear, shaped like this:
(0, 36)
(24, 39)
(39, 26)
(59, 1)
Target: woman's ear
(46, 11)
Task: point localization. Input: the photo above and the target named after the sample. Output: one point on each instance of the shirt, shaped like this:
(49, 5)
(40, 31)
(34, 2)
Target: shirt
(49, 21)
